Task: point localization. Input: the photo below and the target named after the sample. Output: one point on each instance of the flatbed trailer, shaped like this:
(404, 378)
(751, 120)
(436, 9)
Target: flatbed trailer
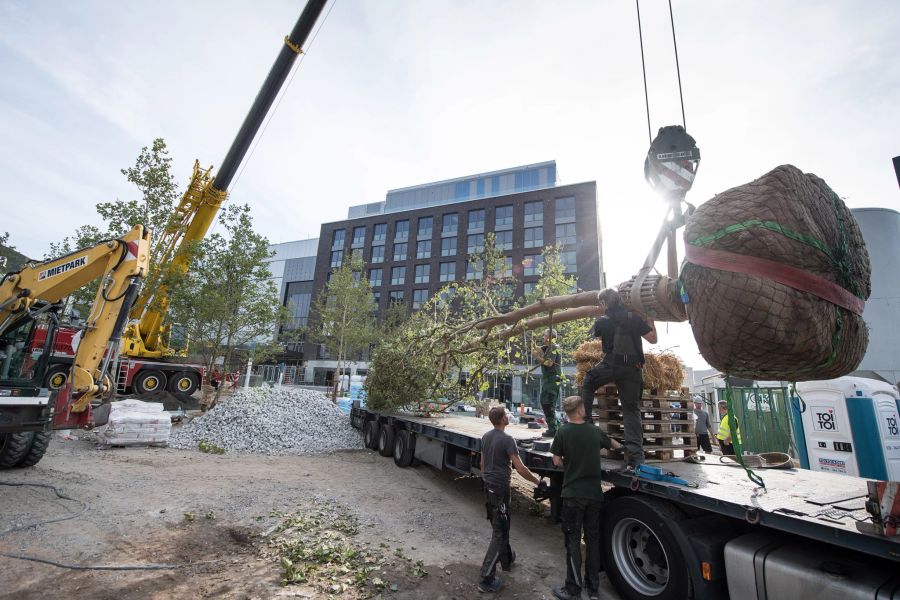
(720, 537)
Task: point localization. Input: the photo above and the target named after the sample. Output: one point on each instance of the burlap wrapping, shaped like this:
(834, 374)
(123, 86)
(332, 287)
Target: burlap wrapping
(753, 327)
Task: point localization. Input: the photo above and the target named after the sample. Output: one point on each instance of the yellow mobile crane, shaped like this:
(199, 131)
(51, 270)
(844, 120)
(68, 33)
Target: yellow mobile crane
(30, 300)
(149, 362)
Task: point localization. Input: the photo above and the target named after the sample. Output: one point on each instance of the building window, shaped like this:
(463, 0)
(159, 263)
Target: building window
(476, 243)
(528, 288)
(534, 213)
(423, 273)
(476, 220)
(448, 247)
(474, 269)
(398, 275)
(337, 239)
(531, 264)
(377, 254)
(504, 240)
(376, 300)
(450, 225)
(359, 237)
(400, 251)
(565, 234)
(507, 266)
(534, 237)
(425, 225)
(568, 260)
(401, 231)
(375, 276)
(448, 271)
(396, 297)
(423, 249)
(337, 257)
(565, 210)
(379, 233)
(420, 297)
(503, 216)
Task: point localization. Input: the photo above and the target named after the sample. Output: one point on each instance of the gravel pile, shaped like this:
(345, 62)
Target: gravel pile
(271, 421)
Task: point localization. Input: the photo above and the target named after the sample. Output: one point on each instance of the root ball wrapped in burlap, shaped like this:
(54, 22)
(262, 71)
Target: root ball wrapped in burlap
(751, 326)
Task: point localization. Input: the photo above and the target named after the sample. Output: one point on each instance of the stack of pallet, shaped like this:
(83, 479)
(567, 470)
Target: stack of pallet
(666, 421)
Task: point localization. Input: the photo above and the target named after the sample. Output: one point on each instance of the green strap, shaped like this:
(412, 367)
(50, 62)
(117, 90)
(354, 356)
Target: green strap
(736, 438)
(769, 225)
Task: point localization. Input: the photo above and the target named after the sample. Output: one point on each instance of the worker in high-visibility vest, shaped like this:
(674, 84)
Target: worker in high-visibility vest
(728, 429)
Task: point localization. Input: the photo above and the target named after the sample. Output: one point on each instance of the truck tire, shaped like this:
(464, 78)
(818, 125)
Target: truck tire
(37, 449)
(386, 440)
(640, 551)
(57, 376)
(184, 382)
(14, 447)
(404, 448)
(370, 435)
(149, 381)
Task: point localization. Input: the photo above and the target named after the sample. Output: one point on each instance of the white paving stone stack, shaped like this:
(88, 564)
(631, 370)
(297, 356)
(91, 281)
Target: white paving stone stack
(273, 421)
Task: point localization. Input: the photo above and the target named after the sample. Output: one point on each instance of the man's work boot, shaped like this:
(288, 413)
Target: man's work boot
(490, 586)
(561, 593)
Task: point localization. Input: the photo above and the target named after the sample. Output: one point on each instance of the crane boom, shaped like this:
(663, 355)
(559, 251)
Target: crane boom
(205, 195)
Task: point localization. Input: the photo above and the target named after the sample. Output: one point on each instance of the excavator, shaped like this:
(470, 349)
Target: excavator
(30, 302)
(150, 364)
(124, 340)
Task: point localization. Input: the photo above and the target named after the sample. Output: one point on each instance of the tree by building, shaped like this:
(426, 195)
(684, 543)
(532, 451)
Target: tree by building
(345, 315)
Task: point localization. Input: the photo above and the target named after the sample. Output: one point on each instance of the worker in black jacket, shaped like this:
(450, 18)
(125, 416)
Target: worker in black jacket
(623, 360)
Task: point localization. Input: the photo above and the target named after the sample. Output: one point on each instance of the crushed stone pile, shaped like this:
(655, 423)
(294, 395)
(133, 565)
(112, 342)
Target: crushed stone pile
(271, 421)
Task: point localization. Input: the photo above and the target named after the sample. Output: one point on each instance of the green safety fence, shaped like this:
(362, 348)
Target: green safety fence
(763, 415)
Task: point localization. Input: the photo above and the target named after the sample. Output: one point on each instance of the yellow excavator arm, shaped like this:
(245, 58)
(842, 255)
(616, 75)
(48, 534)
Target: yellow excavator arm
(121, 264)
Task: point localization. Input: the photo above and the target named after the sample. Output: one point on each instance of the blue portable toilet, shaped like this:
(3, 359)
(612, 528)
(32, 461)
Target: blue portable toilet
(849, 425)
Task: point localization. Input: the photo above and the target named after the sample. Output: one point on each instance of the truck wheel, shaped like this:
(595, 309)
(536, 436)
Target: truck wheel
(404, 448)
(57, 377)
(14, 447)
(146, 382)
(641, 553)
(36, 451)
(184, 382)
(370, 435)
(386, 440)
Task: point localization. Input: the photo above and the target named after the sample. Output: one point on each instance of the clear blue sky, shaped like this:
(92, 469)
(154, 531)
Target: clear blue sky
(399, 93)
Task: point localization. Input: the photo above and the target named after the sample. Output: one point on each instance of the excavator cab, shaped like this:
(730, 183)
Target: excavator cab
(25, 348)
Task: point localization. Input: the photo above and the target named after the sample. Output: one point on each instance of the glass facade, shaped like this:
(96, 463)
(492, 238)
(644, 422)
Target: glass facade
(448, 271)
(359, 237)
(425, 227)
(423, 249)
(375, 276)
(420, 297)
(379, 233)
(377, 254)
(474, 269)
(423, 273)
(534, 237)
(450, 224)
(400, 251)
(534, 213)
(569, 261)
(531, 264)
(475, 243)
(337, 258)
(448, 247)
(503, 216)
(337, 239)
(565, 234)
(565, 209)
(504, 240)
(476, 221)
(398, 275)
(401, 231)
(396, 297)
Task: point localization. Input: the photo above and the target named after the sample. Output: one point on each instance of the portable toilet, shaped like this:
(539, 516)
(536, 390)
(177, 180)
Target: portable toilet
(849, 425)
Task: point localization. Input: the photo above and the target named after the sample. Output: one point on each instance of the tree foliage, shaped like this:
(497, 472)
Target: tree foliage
(345, 314)
(229, 303)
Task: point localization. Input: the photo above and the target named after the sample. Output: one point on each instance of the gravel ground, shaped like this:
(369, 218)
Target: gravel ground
(139, 499)
(271, 421)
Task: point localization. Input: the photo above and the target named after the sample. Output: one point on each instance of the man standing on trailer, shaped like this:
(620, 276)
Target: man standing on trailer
(551, 374)
(498, 451)
(623, 360)
(703, 428)
(728, 430)
(576, 448)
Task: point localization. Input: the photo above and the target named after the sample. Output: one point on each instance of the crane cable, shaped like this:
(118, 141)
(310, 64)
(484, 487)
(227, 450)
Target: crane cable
(637, 6)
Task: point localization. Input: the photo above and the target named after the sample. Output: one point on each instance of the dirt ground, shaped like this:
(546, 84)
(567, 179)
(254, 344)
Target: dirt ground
(161, 505)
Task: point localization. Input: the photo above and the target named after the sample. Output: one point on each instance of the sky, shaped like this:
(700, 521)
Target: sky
(395, 93)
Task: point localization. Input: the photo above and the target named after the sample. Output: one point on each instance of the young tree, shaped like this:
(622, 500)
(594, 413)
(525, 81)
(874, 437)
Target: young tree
(229, 302)
(345, 315)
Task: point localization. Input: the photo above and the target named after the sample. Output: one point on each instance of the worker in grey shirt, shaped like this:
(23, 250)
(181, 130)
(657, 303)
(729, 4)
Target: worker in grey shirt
(498, 452)
(703, 427)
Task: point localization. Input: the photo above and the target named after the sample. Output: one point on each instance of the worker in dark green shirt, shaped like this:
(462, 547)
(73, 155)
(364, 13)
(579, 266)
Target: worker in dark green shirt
(551, 376)
(576, 448)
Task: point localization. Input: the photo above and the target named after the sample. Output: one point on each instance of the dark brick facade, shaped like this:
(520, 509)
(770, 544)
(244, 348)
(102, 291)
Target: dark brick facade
(589, 262)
